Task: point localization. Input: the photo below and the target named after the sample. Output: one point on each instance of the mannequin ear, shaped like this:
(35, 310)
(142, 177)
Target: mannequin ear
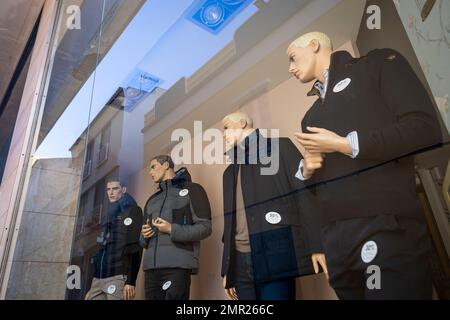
(315, 45)
(243, 123)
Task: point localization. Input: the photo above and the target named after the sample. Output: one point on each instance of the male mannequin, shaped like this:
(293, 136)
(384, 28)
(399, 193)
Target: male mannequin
(371, 113)
(271, 229)
(178, 217)
(117, 264)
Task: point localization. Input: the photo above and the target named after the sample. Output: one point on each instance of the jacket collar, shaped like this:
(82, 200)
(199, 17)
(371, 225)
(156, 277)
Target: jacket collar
(338, 61)
(249, 151)
(181, 177)
(120, 206)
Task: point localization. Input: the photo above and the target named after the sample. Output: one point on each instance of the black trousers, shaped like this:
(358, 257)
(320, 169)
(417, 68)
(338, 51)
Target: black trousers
(382, 257)
(167, 284)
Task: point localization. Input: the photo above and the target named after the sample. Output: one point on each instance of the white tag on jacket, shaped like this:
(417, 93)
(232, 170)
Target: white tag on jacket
(111, 289)
(273, 217)
(127, 221)
(184, 192)
(341, 85)
(166, 285)
(369, 251)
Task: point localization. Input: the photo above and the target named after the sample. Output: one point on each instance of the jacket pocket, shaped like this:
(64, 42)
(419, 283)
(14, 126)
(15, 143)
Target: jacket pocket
(182, 216)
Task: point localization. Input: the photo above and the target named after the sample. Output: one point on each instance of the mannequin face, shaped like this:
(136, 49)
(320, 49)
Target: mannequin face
(233, 132)
(158, 171)
(302, 62)
(114, 191)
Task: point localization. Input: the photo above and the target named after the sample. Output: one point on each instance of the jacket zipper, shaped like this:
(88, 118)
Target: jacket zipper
(101, 263)
(104, 249)
(157, 235)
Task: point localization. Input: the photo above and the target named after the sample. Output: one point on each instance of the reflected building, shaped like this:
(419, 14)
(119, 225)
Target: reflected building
(112, 136)
(39, 272)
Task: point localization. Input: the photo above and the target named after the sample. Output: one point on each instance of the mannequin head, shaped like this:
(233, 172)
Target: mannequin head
(114, 189)
(161, 168)
(309, 56)
(236, 126)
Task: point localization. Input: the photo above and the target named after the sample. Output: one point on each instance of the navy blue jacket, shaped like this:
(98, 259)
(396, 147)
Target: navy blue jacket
(279, 250)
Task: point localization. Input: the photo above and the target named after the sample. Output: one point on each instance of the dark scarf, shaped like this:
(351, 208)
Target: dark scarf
(116, 208)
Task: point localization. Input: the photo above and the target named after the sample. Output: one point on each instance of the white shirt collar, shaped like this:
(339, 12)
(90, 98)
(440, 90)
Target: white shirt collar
(322, 87)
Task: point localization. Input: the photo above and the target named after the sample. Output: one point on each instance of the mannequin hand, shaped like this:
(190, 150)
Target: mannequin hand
(147, 231)
(323, 141)
(319, 259)
(162, 225)
(311, 162)
(230, 292)
(128, 292)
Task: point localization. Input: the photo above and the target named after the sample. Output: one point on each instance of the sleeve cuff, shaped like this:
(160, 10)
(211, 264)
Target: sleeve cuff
(299, 173)
(175, 231)
(352, 138)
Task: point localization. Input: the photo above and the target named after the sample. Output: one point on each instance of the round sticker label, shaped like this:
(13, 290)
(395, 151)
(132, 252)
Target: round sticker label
(127, 221)
(167, 285)
(273, 217)
(184, 192)
(369, 251)
(341, 85)
(111, 289)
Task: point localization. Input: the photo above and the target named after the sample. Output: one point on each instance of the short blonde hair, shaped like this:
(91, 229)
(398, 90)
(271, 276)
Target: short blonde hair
(304, 40)
(238, 116)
